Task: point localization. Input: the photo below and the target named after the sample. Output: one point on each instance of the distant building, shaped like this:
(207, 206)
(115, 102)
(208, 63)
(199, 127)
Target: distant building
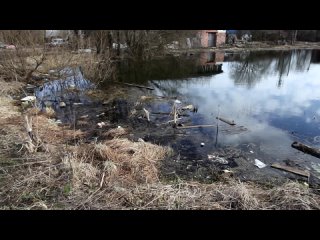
(212, 38)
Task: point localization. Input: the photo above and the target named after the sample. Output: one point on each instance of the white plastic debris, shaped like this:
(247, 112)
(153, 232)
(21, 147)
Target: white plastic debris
(188, 107)
(177, 101)
(100, 115)
(147, 114)
(211, 156)
(101, 124)
(119, 126)
(202, 144)
(251, 151)
(62, 104)
(28, 99)
(259, 164)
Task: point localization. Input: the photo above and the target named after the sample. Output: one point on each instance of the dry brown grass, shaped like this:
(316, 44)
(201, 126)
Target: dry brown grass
(9, 88)
(115, 132)
(292, 196)
(119, 174)
(121, 160)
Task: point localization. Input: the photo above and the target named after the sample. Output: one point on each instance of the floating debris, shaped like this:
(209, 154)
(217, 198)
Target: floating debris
(188, 107)
(259, 164)
(306, 149)
(226, 121)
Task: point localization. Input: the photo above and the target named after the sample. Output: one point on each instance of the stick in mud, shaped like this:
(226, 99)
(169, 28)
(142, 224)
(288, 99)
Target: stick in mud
(226, 121)
(217, 132)
(306, 149)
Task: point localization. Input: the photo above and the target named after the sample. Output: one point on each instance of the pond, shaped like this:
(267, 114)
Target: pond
(272, 97)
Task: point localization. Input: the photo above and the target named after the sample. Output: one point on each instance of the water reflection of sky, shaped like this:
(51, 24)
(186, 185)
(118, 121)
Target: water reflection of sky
(277, 99)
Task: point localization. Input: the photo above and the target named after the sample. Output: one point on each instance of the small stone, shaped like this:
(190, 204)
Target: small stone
(140, 140)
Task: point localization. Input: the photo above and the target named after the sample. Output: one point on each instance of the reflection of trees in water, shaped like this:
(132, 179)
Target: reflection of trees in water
(315, 57)
(251, 68)
(165, 68)
(172, 88)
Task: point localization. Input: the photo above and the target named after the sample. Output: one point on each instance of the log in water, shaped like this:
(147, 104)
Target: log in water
(196, 126)
(306, 149)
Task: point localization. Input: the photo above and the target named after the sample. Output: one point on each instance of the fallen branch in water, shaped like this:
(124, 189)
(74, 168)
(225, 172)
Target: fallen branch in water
(196, 126)
(134, 85)
(163, 113)
(226, 121)
(306, 149)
